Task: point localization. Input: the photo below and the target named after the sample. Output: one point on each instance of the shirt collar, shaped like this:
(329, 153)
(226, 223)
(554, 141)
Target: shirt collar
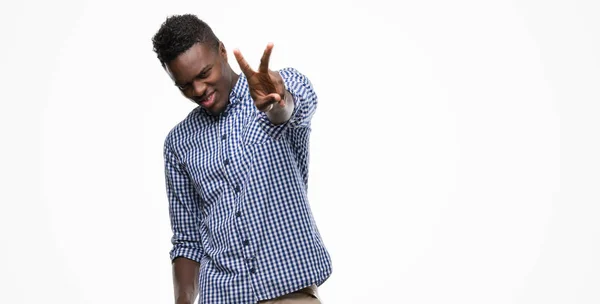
(236, 95)
(237, 92)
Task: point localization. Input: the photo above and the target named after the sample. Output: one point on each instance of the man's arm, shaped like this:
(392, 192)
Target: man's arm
(300, 101)
(279, 94)
(286, 99)
(185, 280)
(184, 212)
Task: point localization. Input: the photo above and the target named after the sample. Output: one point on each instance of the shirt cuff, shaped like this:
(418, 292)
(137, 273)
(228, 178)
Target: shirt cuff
(193, 254)
(273, 130)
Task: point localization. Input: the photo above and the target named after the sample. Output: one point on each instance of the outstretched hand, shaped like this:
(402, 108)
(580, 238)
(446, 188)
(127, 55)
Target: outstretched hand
(266, 86)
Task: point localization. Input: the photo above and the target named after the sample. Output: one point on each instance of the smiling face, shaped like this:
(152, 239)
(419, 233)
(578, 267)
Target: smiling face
(203, 75)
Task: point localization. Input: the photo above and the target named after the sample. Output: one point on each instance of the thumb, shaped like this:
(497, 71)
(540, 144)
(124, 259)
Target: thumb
(274, 97)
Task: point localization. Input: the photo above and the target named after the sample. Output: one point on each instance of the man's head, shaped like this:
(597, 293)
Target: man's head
(196, 61)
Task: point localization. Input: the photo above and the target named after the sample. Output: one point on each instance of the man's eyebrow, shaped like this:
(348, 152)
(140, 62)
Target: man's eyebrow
(204, 70)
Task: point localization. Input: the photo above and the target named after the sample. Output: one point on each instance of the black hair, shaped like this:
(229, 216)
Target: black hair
(178, 34)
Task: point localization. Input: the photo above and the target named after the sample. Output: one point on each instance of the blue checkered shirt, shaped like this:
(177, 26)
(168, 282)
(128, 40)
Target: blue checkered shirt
(237, 189)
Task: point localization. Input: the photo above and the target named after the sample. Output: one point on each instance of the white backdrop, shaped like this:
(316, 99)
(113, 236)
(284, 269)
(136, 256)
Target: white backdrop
(454, 151)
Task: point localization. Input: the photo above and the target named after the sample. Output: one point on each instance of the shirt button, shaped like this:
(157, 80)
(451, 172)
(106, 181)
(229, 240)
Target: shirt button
(223, 137)
(252, 270)
(226, 162)
(246, 242)
(238, 214)
(237, 188)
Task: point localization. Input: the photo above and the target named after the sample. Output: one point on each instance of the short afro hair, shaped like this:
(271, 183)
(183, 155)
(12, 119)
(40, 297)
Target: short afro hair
(178, 34)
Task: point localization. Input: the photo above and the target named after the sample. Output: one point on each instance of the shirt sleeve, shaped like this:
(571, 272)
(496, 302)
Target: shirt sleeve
(184, 208)
(305, 103)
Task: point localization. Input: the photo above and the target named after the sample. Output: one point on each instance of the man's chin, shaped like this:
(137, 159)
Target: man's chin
(215, 110)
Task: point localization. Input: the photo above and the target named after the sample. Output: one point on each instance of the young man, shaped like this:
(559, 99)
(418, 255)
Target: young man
(236, 173)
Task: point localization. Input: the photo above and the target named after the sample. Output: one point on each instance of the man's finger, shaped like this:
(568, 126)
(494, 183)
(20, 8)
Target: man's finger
(264, 61)
(282, 102)
(268, 101)
(244, 65)
(275, 98)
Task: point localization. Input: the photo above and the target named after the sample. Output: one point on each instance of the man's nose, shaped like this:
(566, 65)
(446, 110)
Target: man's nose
(199, 88)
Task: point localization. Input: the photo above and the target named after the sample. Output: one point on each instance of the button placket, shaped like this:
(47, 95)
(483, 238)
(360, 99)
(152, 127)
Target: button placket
(228, 162)
(250, 259)
(224, 142)
(251, 264)
(226, 139)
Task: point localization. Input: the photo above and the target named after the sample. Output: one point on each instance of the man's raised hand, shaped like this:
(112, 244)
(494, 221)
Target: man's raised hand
(266, 86)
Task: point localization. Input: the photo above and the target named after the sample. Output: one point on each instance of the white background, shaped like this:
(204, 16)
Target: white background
(454, 151)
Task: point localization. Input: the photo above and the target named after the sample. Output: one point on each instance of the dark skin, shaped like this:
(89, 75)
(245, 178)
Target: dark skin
(266, 86)
(203, 71)
(185, 280)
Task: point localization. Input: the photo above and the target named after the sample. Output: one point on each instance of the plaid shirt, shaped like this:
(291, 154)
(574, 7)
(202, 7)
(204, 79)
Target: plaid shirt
(237, 189)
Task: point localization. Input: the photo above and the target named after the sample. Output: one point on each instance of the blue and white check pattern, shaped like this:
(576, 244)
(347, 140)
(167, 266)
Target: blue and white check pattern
(237, 189)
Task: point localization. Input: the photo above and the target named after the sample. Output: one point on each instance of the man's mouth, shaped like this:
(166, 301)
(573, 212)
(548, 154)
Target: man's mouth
(207, 101)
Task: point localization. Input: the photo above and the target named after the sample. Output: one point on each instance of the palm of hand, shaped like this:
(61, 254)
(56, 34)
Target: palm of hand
(266, 86)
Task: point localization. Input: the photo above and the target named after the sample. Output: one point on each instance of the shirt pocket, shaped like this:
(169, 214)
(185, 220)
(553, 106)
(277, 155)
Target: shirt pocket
(255, 134)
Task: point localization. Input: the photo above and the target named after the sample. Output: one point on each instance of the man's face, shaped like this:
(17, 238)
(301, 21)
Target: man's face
(201, 75)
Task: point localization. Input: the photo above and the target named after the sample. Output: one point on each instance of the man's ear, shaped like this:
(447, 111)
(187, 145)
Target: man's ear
(222, 50)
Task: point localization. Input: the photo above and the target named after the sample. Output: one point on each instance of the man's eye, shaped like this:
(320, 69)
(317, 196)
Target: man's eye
(182, 87)
(204, 74)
